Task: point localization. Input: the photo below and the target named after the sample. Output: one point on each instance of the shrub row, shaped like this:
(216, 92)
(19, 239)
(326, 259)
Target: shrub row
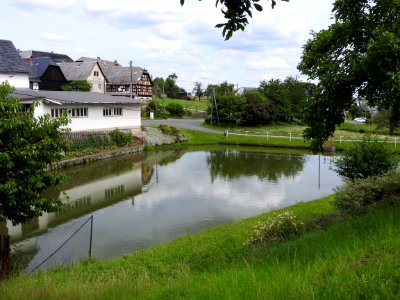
(94, 141)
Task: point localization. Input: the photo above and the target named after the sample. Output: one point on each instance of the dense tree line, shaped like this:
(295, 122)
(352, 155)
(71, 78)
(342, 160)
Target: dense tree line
(274, 100)
(168, 87)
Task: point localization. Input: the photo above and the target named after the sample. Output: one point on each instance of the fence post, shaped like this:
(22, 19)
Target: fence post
(91, 237)
(267, 136)
(4, 256)
(395, 142)
(290, 136)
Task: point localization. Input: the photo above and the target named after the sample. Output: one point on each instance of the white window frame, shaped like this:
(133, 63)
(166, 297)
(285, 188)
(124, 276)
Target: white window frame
(73, 112)
(112, 112)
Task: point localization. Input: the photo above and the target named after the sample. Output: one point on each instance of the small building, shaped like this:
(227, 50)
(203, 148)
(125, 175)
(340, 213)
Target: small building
(85, 70)
(243, 90)
(45, 74)
(13, 68)
(119, 79)
(87, 111)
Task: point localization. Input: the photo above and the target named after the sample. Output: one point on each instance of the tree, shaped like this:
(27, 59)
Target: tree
(275, 91)
(28, 146)
(259, 109)
(365, 159)
(171, 89)
(236, 12)
(78, 85)
(227, 108)
(357, 56)
(159, 84)
(198, 89)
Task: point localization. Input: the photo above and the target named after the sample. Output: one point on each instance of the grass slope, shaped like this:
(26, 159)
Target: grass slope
(356, 258)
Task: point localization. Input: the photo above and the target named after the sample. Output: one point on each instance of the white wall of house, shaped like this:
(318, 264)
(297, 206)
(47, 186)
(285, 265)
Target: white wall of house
(98, 81)
(18, 80)
(95, 120)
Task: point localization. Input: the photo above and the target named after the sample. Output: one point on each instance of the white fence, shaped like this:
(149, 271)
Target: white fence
(291, 136)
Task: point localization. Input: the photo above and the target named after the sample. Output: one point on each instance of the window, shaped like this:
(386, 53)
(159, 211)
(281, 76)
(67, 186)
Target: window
(96, 73)
(112, 111)
(81, 112)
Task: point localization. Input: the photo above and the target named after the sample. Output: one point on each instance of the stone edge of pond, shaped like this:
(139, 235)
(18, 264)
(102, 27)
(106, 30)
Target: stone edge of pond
(98, 156)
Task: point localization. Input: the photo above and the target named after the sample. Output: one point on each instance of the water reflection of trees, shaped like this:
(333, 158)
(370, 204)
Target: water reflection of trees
(234, 164)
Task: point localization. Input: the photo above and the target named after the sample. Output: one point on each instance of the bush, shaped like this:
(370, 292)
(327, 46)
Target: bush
(359, 195)
(120, 138)
(279, 227)
(175, 109)
(365, 159)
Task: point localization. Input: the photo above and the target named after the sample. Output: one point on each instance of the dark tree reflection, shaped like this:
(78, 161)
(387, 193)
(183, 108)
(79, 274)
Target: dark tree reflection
(233, 164)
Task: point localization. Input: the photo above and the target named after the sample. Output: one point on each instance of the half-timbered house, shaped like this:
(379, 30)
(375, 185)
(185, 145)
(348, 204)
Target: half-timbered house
(134, 82)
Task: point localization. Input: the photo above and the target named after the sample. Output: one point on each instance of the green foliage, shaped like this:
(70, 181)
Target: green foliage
(217, 90)
(355, 111)
(382, 119)
(78, 85)
(155, 106)
(288, 97)
(172, 131)
(93, 141)
(159, 84)
(198, 89)
(259, 110)
(170, 87)
(278, 227)
(228, 108)
(175, 109)
(359, 195)
(236, 14)
(169, 130)
(120, 138)
(28, 146)
(358, 54)
(364, 159)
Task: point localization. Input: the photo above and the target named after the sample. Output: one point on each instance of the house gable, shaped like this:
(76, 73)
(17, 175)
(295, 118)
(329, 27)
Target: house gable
(12, 67)
(89, 71)
(45, 74)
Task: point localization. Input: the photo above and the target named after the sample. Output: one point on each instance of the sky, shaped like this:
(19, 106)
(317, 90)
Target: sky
(165, 38)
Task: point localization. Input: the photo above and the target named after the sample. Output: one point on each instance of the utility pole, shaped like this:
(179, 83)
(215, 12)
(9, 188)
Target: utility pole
(130, 65)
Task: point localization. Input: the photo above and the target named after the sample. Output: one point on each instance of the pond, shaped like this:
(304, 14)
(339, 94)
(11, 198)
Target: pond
(152, 197)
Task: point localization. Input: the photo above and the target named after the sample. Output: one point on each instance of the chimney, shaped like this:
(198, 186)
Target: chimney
(98, 58)
(30, 60)
(115, 63)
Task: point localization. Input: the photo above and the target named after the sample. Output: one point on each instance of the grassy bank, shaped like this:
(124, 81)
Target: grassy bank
(205, 138)
(355, 258)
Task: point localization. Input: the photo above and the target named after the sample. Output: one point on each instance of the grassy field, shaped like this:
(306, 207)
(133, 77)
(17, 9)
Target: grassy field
(355, 258)
(187, 104)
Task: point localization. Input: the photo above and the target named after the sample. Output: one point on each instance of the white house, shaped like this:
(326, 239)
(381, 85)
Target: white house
(87, 70)
(87, 111)
(12, 67)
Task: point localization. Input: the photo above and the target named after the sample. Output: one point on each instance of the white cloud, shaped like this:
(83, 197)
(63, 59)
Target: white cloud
(44, 4)
(54, 37)
(80, 49)
(165, 37)
(272, 62)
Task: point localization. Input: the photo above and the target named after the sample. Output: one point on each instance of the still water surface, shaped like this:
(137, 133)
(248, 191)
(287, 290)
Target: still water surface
(148, 198)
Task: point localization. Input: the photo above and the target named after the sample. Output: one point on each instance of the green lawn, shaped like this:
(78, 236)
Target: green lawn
(356, 258)
(187, 104)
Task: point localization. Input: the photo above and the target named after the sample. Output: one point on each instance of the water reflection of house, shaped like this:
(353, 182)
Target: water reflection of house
(84, 199)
